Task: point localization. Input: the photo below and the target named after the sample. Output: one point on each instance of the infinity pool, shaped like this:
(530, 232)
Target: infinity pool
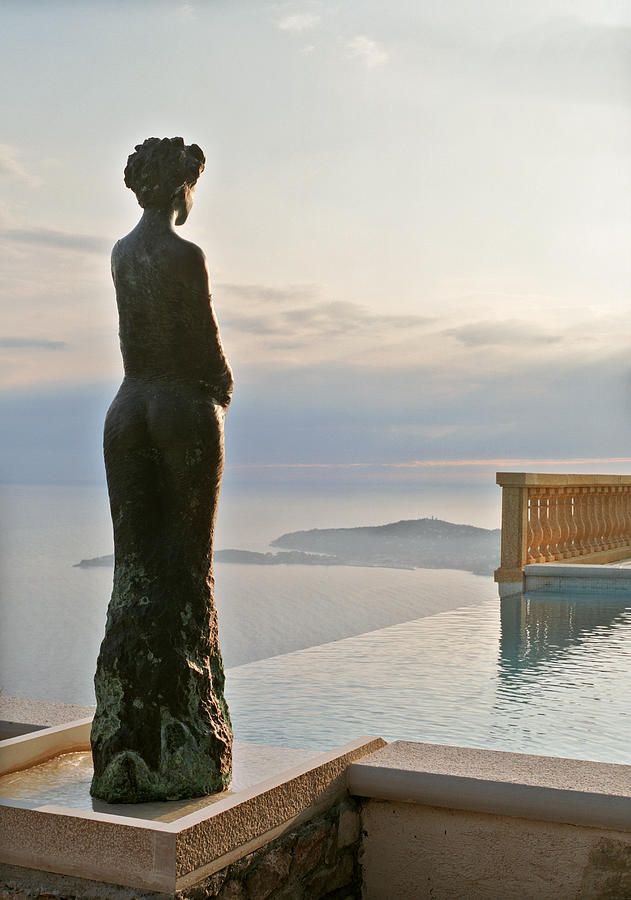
(543, 673)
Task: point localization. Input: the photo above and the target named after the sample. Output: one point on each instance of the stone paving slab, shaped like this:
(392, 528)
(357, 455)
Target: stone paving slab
(41, 712)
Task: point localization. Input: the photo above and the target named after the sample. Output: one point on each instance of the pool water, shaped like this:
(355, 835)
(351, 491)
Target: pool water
(546, 674)
(65, 781)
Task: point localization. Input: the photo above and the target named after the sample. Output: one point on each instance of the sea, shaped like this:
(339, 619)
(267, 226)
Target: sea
(316, 656)
(52, 614)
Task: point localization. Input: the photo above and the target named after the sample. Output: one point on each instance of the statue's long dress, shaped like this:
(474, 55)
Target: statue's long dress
(162, 728)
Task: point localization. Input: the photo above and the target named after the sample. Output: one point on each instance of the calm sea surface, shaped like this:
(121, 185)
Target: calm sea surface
(317, 656)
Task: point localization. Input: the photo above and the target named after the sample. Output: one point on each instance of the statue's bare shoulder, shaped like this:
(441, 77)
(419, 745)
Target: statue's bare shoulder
(190, 253)
(191, 263)
(183, 259)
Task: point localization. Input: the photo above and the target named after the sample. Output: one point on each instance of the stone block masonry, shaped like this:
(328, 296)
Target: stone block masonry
(316, 861)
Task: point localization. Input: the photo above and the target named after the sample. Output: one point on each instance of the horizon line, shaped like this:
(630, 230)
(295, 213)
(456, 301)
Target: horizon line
(438, 463)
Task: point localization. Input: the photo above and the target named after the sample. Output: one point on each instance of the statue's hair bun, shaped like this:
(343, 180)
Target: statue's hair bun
(158, 168)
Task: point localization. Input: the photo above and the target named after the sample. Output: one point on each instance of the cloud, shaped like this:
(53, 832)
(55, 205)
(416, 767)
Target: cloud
(300, 325)
(261, 293)
(14, 343)
(344, 318)
(298, 22)
(493, 333)
(56, 240)
(299, 320)
(367, 50)
(11, 167)
(187, 9)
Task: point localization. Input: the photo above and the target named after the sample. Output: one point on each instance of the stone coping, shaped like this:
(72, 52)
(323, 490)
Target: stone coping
(570, 791)
(160, 855)
(574, 570)
(32, 748)
(546, 479)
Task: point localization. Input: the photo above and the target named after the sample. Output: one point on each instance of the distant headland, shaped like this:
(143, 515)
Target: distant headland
(409, 544)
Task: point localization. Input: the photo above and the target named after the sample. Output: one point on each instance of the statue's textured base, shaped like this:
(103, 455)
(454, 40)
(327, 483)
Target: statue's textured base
(162, 728)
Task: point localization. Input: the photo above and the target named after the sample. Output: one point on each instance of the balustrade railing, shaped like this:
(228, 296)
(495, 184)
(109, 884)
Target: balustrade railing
(562, 518)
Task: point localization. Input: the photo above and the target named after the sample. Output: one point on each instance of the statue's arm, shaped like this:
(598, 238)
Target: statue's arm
(113, 261)
(220, 373)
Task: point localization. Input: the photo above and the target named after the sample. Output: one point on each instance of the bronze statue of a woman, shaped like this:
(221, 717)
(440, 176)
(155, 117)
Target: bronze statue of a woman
(162, 728)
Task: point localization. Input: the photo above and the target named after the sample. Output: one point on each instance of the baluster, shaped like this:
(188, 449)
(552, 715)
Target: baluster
(607, 518)
(530, 534)
(603, 493)
(598, 520)
(580, 514)
(590, 521)
(614, 534)
(622, 507)
(613, 505)
(626, 514)
(561, 529)
(593, 521)
(535, 533)
(556, 527)
(565, 528)
(613, 518)
(546, 526)
(617, 516)
(550, 526)
(573, 523)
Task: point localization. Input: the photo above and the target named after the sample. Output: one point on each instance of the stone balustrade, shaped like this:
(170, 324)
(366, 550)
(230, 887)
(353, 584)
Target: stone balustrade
(562, 518)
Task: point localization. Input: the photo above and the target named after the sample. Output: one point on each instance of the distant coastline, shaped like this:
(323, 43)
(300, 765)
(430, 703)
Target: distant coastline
(408, 544)
(252, 558)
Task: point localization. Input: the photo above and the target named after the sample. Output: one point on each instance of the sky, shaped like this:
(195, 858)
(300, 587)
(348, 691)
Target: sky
(416, 216)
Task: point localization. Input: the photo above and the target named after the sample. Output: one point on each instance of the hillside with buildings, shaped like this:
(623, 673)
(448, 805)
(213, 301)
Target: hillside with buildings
(413, 543)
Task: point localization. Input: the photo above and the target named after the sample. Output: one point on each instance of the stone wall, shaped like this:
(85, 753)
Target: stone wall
(316, 861)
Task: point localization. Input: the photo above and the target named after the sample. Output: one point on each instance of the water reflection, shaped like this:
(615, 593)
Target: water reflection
(542, 674)
(540, 628)
(563, 675)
